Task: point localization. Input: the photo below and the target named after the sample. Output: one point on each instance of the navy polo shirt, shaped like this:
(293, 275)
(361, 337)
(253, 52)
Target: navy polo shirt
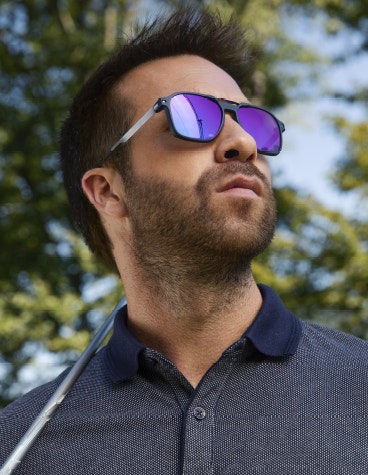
(287, 398)
(275, 332)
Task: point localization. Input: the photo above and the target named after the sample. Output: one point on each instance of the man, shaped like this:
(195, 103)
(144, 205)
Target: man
(207, 372)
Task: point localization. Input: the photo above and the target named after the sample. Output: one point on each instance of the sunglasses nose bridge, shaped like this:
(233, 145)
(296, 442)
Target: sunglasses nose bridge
(230, 109)
(234, 142)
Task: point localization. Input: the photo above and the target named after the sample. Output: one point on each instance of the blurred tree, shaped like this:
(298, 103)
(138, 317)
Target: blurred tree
(348, 250)
(47, 49)
(53, 292)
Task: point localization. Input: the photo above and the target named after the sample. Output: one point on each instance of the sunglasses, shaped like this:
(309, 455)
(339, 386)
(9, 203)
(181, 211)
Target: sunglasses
(200, 118)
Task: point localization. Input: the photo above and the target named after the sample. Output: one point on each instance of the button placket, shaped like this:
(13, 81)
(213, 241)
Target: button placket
(199, 413)
(201, 419)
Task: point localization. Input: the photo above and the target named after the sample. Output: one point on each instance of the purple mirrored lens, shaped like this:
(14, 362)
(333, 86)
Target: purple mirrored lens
(263, 127)
(195, 117)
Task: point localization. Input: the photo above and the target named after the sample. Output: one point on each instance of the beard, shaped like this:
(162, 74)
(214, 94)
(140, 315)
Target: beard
(179, 233)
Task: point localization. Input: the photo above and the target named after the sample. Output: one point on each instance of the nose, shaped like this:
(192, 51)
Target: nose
(234, 143)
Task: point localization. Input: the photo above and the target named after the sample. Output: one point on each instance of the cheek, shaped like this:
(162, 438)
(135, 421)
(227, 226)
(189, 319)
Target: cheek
(171, 159)
(264, 167)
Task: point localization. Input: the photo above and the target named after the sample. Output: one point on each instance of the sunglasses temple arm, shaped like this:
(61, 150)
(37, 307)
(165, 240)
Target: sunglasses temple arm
(135, 128)
(56, 399)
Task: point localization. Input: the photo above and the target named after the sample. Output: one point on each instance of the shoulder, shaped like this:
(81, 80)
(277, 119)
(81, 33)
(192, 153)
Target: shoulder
(320, 343)
(34, 400)
(18, 416)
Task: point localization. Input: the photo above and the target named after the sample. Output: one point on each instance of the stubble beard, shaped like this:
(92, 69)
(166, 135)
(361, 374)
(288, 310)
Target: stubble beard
(180, 237)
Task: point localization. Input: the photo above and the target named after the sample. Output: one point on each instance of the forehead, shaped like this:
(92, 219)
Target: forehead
(149, 81)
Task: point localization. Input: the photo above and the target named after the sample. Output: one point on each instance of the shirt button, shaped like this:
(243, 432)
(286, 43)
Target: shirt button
(199, 413)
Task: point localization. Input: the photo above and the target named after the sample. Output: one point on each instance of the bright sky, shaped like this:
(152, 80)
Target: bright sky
(312, 147)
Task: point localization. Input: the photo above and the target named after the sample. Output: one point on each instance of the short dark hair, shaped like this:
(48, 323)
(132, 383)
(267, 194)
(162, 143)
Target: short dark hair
(98, 118)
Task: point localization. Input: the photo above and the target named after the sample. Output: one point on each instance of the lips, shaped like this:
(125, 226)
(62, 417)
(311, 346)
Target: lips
(249, 184)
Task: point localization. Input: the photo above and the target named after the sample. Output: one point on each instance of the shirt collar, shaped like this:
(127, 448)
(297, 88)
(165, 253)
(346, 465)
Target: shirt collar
(275, 332)
(122, 350)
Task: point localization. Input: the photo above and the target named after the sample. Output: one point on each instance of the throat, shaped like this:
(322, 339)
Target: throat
(211, 282)
(195, 328)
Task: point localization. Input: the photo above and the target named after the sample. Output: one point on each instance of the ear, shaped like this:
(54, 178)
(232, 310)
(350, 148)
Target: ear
(104, 188)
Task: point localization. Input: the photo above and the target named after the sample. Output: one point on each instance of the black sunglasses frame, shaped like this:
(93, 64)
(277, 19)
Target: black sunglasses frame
(225, 105)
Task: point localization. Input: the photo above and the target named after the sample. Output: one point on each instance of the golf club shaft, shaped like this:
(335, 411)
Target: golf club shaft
(56, 399)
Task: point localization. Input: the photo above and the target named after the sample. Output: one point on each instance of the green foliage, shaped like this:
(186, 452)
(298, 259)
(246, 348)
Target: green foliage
(352, 172)
(318, 261)
(47, 51)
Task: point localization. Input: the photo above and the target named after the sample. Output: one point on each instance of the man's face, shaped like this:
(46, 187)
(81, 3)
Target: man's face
(190, 200)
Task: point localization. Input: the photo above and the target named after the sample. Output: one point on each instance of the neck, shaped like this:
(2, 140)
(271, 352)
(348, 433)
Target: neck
(192, 316)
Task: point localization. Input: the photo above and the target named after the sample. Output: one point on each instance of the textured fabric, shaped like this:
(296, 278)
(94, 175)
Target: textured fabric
(252, 413)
